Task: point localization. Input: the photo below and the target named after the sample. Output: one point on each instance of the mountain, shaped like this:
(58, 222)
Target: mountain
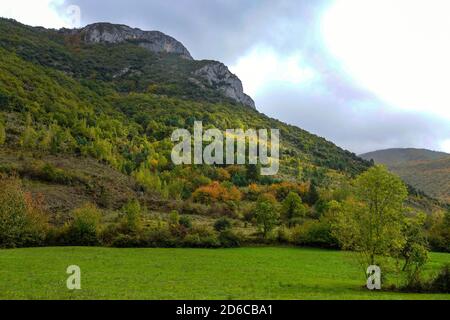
(153, 41)
(76, 104)
(423, 169)
(398, 156)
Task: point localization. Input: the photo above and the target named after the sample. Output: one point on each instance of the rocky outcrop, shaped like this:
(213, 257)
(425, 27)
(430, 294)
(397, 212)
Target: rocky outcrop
(154, 41)
(214, 75)
(218, 76)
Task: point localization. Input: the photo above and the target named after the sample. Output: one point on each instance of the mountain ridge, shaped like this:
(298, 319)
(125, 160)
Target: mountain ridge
(426, 170)
(398, 155)
(214, 73)
(105, 32)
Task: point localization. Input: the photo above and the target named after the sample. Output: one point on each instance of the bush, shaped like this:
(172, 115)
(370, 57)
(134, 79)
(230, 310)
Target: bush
(201, 237)
(160, 237)
(126, 241)
(222, 224)
(228, 239)
(22, 220)
(131, 220)
(193, 208)
(442, 282)
(315, 234)
(284, 235)
(186, 222)
(84, 228)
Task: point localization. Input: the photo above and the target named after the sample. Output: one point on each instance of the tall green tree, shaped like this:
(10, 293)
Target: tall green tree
(292, 209)
(266, 214)
(372, 223)
(415, 252)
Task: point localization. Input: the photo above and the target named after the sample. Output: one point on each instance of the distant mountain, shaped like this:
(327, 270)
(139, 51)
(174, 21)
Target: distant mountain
(397, 156)
(423, 169)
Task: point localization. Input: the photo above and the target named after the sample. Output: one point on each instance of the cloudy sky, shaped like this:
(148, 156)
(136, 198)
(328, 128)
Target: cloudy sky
(365, 74)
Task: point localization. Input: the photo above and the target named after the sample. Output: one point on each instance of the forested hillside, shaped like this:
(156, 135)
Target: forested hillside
(425, 170)
(85, 137)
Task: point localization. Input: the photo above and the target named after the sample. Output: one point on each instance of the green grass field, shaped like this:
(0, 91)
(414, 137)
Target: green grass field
(246, 273)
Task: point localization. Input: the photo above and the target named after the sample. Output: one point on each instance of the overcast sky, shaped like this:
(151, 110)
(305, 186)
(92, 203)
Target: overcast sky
(365, 74)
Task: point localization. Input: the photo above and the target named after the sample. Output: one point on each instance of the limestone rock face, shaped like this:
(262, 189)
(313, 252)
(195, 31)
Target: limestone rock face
(217, 75)
(154, 41)
(212, 74)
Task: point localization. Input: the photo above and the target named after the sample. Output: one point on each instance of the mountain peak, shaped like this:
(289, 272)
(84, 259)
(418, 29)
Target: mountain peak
(154, 41)
(400, 155)
(213, 74)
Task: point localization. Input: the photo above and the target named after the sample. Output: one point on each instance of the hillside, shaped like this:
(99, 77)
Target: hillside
(392, 157)
(425, 170)
(119, 101)
(86, 119)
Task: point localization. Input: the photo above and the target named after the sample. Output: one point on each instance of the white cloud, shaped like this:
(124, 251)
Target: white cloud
(263, 67)
(45, 13)
(398, 49)
(445, 146)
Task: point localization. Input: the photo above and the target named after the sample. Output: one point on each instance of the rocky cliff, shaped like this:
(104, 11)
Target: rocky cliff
(154, 41)
(214, 75)
(217, 75)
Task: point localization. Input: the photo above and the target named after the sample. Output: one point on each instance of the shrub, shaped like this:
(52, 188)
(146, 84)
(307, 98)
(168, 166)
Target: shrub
(83, 230)
(201, 237)
(186, 222)
(315, 234)
(217, 192)
(22, 220)
(442, 282)
(284, 235)
(193, 208)
(159, 237)
(222, 224)
(131, 220)
(126, 241)
(174, 218)
(109, 233)
(229, 239)
(37, 221)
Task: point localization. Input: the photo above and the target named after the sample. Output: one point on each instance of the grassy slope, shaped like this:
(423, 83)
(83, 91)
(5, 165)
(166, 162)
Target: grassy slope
(246, 273)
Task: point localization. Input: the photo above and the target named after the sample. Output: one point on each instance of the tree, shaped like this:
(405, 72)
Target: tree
(292, 209)
(439, 230)
(414, 252)
(132, 216)
(313, 195)
(372, 223)
(266, 214)
(22, 220)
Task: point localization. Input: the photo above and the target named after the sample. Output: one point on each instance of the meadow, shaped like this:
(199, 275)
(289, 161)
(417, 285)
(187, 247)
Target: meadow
(244, 273)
